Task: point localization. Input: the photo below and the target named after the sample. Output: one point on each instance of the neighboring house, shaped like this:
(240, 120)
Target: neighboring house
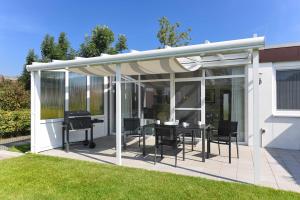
(280, 96)
(198, 83)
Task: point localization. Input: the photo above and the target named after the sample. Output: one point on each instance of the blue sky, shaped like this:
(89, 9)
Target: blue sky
(23, 24)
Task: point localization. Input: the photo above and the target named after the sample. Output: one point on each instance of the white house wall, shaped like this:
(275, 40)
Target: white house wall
(49, 135)
(280, 132)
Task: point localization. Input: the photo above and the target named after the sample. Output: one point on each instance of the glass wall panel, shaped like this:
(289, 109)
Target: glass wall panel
(77, 92)
(188, 94)
(129, 100)
(97, 95)
(52, 95)
(225, 71)
(225, 100)
(155, 101)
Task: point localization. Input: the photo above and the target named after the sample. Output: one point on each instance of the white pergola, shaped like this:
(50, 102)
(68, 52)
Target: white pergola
(167, 60)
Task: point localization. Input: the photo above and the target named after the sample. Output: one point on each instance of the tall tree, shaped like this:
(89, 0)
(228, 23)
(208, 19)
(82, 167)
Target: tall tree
(63, 46)
(171, 35)
(25, 76)
(121, 44)
(64, 49)
(48, 49)
(101, 41)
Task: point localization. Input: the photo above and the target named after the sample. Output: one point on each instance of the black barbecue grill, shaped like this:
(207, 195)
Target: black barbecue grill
(78, 120)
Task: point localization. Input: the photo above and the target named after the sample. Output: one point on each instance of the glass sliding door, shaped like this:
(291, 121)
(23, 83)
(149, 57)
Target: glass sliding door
(225, 100)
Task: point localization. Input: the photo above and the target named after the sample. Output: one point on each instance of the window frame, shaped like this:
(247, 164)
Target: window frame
(282, 66)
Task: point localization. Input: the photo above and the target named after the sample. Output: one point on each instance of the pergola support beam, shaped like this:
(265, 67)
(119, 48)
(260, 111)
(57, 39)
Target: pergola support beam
(256, 132)
(118, 116)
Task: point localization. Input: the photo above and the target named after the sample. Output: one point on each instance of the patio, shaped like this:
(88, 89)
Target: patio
(279, 168)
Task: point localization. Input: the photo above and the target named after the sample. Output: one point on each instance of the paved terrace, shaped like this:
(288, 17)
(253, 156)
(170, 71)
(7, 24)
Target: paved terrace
(280, 168)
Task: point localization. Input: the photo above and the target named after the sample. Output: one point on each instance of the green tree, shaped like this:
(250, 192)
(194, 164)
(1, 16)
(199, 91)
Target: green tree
(63, 48)
(171, 35)
(48, 49)
(25, 76)
(101, 41)
(121, 45)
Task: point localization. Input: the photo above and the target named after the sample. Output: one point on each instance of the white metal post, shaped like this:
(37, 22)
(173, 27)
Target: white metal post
(106, 90)
(203, 97)
(139, 100)
(256, 132)
(118, 116)
(172, 99)
(67, 91)
(88, 93)
(35, 108)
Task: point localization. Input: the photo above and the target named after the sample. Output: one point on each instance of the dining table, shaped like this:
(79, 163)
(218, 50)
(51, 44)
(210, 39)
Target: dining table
(187, 129)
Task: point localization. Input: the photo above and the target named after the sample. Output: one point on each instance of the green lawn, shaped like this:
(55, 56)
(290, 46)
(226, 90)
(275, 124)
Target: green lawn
(42, 177)
(23, 148)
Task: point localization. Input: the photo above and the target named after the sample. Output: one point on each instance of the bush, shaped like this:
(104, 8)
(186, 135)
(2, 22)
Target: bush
(13, 96)
(14, 123)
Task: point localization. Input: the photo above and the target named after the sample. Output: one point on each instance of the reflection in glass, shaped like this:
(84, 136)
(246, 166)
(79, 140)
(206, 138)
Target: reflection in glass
(188, 94)
(225, 101)
(197, 73)
(190, 116)
(77, 92)
(225, 71)
(129, 100)
(52, 94)
(155, 100)
(97, 95)
(155, 76)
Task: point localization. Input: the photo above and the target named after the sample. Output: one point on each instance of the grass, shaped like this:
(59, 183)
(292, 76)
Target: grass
(42, 177)
(23, 148)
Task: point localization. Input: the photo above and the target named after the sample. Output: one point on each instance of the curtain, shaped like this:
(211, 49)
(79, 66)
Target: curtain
(237, 105)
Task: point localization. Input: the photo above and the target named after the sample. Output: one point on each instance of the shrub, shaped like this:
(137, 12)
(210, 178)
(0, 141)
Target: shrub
(14, 123)
(13, 96)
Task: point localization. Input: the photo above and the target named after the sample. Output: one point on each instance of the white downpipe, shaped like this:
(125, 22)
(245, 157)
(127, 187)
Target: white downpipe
(256, 132)
(118, 116)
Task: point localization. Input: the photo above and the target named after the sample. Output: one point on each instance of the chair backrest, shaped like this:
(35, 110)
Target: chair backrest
(227, 127)
(131, 124)
(165, 132)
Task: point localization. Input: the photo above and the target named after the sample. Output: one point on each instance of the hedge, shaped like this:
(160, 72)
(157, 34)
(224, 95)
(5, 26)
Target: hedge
(14, 123)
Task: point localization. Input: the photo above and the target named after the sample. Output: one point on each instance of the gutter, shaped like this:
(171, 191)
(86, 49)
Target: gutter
(192, 50)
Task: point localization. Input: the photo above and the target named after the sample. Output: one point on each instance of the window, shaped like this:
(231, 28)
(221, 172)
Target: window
(288, 89)
(77, 92)
(97, 95)
(52, 95)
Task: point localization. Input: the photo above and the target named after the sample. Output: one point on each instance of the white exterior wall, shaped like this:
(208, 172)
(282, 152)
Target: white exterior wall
(281, 131)
(47, 134)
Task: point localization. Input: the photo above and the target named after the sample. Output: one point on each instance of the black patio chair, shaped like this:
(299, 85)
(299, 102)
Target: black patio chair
(224, 134)
(132, 128)
(167, 136)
